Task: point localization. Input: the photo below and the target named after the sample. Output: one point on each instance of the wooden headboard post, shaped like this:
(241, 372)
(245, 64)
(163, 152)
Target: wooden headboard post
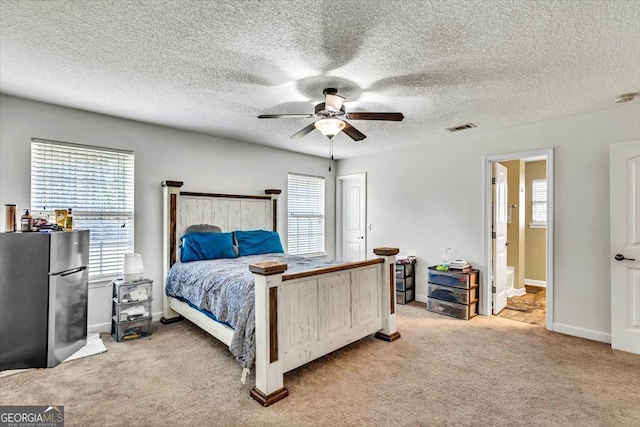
(389, 331)
(274, 207)
(170, 199)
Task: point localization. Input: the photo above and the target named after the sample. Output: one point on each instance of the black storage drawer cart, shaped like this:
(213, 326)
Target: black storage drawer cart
(131, 309)
(453, 293)
(405, 280)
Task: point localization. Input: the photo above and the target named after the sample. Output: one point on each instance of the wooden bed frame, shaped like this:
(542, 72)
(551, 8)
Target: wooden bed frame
(299, 317)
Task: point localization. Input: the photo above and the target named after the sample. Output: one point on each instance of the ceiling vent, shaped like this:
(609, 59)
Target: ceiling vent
(461, 127)
(627, 97)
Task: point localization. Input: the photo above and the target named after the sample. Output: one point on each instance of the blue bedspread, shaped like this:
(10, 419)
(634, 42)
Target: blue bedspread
(225, 288)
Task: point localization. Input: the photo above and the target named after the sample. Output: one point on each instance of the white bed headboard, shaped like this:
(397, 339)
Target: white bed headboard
(228, 211)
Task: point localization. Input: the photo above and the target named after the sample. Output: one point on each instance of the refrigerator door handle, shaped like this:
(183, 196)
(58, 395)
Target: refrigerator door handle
(73, 271)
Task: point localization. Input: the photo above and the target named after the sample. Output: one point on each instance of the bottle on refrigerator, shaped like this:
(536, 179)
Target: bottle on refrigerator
(10, 218)
(68, 226)
(25, 221)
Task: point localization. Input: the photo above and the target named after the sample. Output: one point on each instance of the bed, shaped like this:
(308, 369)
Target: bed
(300, 309)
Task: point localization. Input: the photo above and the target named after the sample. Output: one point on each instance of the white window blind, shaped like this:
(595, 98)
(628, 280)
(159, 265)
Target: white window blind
(539, 201)
(97, 183)
(305, 215)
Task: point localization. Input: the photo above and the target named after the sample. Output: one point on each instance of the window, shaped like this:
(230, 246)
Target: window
(97, 183)
(305, 215)
(538, 203)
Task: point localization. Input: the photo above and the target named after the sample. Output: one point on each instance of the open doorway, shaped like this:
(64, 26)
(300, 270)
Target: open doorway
(522, 289)
(526, 241)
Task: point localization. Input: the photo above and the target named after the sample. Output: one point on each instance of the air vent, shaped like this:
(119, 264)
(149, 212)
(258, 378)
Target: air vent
(461, 127)
(626, 97)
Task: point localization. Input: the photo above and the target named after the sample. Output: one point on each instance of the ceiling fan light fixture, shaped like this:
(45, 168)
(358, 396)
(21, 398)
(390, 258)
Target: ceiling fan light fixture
(330, 127)
(333, 102)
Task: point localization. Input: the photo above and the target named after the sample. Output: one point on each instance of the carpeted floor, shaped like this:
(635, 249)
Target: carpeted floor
(442, 372)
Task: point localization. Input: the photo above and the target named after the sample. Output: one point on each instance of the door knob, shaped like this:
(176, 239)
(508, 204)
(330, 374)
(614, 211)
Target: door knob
(507, 244)
(620, 257)
(360, 237)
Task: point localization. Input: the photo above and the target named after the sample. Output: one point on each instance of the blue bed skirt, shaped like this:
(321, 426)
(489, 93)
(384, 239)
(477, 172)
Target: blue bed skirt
(205, 312)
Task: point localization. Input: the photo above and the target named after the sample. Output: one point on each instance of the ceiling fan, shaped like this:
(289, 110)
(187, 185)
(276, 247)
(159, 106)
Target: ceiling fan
(332, 117)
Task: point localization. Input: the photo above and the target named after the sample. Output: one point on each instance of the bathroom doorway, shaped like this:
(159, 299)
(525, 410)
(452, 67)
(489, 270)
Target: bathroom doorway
(528, 242)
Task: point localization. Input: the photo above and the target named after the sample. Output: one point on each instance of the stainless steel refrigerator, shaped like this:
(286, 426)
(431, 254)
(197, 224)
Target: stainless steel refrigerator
(43, 297)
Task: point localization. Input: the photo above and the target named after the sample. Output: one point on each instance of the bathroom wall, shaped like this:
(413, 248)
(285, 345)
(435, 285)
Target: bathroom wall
(515, 229)
(535, 238)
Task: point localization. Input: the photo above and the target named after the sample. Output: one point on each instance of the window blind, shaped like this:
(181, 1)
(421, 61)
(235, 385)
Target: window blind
(97, 183)
(305, 215)
(539, 201)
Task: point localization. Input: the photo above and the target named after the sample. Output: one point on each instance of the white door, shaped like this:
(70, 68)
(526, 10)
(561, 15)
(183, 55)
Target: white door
(354, 190)
(500, 240)
(625, 246)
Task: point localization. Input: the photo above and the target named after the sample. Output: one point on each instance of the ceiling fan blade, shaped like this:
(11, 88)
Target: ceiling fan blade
(354, 133)
(286, 116)
(302, 132)
(396, 117)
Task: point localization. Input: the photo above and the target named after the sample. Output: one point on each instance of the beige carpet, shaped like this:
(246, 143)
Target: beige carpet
(442, 372)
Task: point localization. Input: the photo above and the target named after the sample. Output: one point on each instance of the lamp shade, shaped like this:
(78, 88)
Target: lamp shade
(330, 127)
(333, 102)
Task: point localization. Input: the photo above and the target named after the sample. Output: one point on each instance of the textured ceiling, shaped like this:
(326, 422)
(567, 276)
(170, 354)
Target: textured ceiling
(212, 67)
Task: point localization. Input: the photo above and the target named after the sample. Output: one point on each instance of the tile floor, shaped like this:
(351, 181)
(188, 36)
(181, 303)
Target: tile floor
(528, 308)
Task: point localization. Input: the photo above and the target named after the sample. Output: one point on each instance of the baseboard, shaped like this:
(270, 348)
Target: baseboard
(99, 327)
(541, 283)
(558, 327)
(582, 333)
(513, 292)
(106, 326)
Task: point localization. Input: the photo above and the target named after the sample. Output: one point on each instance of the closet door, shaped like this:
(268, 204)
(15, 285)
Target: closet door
(625, 246)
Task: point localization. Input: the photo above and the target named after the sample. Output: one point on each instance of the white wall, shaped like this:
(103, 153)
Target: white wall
(203, 163)
(428, 197)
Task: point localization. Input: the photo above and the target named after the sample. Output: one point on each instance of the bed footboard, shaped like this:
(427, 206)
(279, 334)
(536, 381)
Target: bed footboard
(303, 316)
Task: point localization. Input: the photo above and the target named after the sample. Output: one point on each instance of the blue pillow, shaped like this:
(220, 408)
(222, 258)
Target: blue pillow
(256, 242)
(203, 246)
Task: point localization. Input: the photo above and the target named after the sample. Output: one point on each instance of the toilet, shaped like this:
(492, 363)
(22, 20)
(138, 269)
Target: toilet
(509, 278)
(511, 292)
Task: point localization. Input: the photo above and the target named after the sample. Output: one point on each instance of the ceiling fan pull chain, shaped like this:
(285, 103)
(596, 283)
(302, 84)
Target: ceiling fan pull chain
(330, 152)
